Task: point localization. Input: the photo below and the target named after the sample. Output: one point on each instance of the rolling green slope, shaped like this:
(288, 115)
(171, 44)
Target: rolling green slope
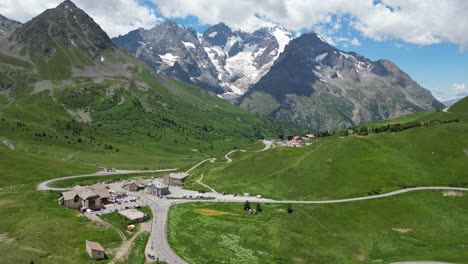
(420, 226)
(460, 107)
(337, 167)
(70, 103)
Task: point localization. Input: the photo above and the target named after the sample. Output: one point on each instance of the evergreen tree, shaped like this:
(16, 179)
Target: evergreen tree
(258, 208)
(246, 205)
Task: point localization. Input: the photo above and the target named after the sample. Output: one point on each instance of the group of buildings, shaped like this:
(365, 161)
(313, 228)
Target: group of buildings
(96, 196)
(295, 141)
(158, 188)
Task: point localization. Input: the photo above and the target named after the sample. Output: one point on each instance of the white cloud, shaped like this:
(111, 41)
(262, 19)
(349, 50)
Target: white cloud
(355, 42)
(114, 16)
(413, 21)
(460, 89)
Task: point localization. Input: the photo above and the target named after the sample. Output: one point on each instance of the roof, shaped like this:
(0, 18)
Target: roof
(140, 183)
(103, 192)
(179, 175)
(87, 193)
(69, 195)
(132, 214)
(158, 185)
(94, 246)
(100, 186)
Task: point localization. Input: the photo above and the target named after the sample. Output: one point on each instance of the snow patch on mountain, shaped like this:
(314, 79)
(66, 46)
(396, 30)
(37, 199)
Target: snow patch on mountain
(321, 38)
(188, 45)
(282, 37)
(169, 58)
(243, 58)
(320, 57)
(348, 56)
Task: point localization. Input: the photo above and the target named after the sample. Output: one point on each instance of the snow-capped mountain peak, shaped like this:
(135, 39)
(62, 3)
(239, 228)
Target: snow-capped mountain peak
(221, 59)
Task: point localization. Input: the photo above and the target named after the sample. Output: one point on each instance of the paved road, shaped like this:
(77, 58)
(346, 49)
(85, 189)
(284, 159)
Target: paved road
(446, 109)
(160, 207)
(267, 143)
(371, 197)
(212, 160)
(158, 238)
(44, 186)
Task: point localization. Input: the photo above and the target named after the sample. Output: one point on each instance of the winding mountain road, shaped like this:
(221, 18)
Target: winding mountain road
(44, 186)
(160, 207)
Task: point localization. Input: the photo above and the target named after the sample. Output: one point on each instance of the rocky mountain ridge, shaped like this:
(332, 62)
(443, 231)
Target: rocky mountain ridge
(321, 87)
(7, 25)
(66, 26)
(222, 60)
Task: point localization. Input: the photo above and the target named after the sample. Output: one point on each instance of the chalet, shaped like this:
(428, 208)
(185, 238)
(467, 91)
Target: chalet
(175, 179)
(157, 188)
(296, 142)
(137, 185)
(309, 136)
(95, 250)
(93, 197)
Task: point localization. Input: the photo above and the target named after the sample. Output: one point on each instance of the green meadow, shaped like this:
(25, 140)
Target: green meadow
(339, 167)
(426, 225)
(77, 127)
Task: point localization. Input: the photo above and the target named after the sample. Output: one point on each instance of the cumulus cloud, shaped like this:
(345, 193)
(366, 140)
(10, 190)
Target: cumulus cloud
(460, 89)
(114, 16)
(413, 21)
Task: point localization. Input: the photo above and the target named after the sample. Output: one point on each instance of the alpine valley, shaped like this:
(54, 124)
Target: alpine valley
(168, 145)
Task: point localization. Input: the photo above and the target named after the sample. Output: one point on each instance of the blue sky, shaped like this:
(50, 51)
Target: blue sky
(427, 39)
(439, 67)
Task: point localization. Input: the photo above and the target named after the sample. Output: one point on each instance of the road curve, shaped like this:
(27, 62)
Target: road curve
(371, 197)
(160, 207)
(158, 238)
(200, 163)
(44, 186)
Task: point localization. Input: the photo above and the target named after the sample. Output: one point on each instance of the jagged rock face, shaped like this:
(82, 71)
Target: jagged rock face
(321, 87)
(7, 25)
(222, 60)
(174, 51)
(67, 26)
(241, 59)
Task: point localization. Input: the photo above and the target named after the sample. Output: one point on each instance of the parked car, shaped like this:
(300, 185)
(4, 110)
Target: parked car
(201, 191)
(151, 256)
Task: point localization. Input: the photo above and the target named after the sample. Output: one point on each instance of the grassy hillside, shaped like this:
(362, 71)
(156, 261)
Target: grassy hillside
(409, 227)
(337, 167)
(460, 107)
(67, 114)
(160, 122)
